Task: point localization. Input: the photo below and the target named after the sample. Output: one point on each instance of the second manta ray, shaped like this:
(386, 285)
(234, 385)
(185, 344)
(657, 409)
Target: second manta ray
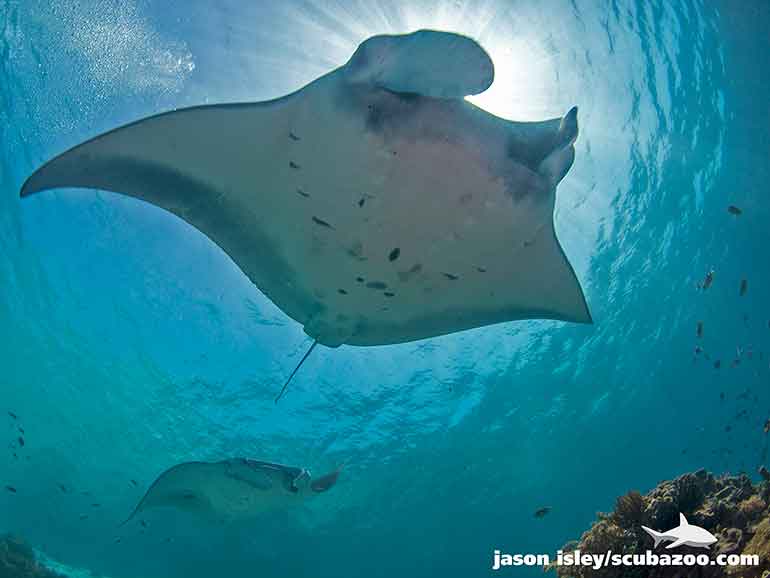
(232, 489)
(375, 205)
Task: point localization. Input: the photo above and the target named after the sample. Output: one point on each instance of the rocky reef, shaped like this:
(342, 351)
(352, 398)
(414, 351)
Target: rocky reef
(733, 509)
(17, 560)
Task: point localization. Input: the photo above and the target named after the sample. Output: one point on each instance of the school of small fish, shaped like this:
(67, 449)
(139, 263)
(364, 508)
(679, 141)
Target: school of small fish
(741, 353)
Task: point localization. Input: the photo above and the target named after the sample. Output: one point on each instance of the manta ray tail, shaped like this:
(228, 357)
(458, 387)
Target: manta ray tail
(131, 517)
(285, 385)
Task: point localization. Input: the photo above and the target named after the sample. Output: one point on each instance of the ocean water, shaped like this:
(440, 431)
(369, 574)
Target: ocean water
(129, 342)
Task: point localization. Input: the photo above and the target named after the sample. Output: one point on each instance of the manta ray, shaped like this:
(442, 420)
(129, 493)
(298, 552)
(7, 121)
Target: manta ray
(232, 489)
(375, 205)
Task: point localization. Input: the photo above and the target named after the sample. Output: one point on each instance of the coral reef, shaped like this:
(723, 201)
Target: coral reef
(17, 560)
(733, 509)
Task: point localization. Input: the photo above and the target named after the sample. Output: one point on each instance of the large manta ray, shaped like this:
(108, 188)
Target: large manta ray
(232, 489)
(375, 205)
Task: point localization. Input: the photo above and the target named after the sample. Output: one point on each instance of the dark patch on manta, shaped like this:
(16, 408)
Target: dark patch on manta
(387, 108)
(376, 285)
(357, 251)
(529, 153)
(406, 275)
(321, 222)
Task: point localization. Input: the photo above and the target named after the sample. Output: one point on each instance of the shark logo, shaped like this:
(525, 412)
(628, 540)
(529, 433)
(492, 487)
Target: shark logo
(683, 535)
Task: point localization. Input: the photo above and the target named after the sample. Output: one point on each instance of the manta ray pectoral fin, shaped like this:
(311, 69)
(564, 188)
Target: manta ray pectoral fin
(209, 165)
(561, 293)
(426, 62)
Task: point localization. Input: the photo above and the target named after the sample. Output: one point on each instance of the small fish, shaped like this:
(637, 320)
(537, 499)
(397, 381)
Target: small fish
(728, 428)
(542, 512)
(698, 350)
(84, 516)
(21, 430)
(766, 429)
(707, 281)
(717, 364)
(744, 287)
(95, 505)
(143, 523)
(733, 210)
(11, 489)
(21, 441)
(699, 329)
(117, 540)
(764, 473)
(63, 488)
(134, 482)
(722, 396)
(13, 415)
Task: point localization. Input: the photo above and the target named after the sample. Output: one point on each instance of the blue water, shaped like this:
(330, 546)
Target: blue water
(129, 342)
